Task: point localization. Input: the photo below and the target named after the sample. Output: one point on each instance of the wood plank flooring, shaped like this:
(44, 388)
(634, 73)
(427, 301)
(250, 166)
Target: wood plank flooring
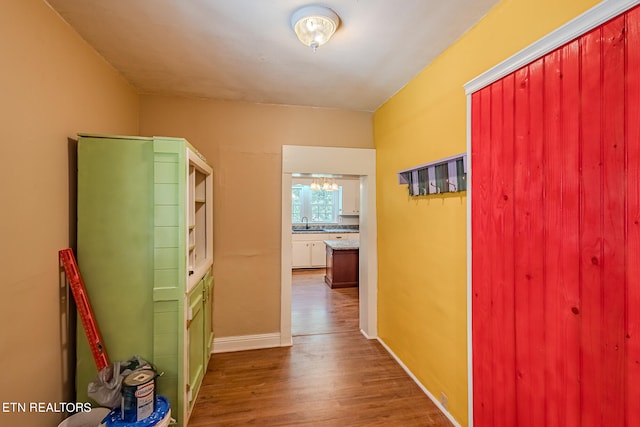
(331, 376)
(318, 309)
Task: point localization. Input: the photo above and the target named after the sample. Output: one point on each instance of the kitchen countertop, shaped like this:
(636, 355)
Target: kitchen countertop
(342, 244)
(324, 230)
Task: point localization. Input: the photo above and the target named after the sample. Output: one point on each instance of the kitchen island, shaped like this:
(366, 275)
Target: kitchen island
(342, 263)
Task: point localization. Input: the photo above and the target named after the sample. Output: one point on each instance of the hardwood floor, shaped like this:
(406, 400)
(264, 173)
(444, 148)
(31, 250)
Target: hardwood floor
(331, 376)
(318, 309)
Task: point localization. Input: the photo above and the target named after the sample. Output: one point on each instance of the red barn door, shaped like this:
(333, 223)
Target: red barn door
(555, 157)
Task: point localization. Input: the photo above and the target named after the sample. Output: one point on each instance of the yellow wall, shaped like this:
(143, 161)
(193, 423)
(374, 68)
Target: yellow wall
(422, 241)
(52, 85)
(243, 142)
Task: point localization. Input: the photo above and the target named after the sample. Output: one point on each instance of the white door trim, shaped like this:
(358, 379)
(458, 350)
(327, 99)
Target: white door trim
(578, 26)
(337, 161)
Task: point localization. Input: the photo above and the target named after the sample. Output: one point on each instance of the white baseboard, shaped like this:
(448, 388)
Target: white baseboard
(422, 387)
(367, 336)
(246, 342)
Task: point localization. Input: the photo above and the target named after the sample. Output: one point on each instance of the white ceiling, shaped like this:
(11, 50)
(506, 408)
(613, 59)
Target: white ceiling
(245, 50)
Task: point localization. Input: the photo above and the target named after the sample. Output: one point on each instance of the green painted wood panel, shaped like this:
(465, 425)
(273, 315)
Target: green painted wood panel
(208, 310)
(196, 338)
(114, 255)
(132, 254)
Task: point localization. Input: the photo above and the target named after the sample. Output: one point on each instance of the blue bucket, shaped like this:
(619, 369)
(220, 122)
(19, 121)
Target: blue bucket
(160, 417)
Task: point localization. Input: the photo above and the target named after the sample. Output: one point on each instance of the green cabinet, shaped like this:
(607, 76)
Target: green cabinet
(208, 326)
(145, 251)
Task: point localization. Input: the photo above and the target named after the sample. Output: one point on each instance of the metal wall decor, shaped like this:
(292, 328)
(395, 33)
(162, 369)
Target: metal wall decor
(448, 175)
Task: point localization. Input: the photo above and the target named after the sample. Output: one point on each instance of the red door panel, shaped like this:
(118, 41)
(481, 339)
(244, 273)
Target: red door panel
(632, 218)
(556, 236)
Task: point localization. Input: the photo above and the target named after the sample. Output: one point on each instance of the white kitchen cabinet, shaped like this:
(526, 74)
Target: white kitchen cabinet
(342, 236)
(318, 254)
(309, 251)
(350, 201)
(308, 254)
(300, 254)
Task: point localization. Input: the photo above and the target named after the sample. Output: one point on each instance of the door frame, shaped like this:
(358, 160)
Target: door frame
(575, 28)
(334, 161)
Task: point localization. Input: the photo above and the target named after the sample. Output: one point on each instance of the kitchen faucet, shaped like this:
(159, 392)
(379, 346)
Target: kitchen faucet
(303, 218)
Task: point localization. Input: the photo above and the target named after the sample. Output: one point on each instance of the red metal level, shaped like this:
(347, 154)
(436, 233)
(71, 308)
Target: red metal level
(84, 308)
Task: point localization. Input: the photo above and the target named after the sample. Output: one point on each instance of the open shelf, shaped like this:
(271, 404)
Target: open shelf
(199, 205)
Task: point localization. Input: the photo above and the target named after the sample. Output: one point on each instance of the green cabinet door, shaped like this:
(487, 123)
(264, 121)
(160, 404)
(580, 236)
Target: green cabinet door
(195, 333)
(208, 329)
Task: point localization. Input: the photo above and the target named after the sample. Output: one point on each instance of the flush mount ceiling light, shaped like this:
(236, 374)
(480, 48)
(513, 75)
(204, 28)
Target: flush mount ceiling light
(314, 25)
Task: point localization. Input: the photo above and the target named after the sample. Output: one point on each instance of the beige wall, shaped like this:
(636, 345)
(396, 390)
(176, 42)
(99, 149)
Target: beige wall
(52, 85)
(243, 142)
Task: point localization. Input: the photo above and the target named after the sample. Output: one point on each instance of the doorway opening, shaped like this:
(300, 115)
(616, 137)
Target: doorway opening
(325, 236)
(333, 161)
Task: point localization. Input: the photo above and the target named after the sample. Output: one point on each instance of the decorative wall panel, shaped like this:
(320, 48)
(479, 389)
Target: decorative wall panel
(555, 158)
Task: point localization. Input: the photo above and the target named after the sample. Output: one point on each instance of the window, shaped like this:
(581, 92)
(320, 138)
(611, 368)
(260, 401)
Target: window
(318, 206)
(296, 203)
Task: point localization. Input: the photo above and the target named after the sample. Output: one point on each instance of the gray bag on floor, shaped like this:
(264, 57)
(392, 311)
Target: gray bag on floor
(106, 389)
